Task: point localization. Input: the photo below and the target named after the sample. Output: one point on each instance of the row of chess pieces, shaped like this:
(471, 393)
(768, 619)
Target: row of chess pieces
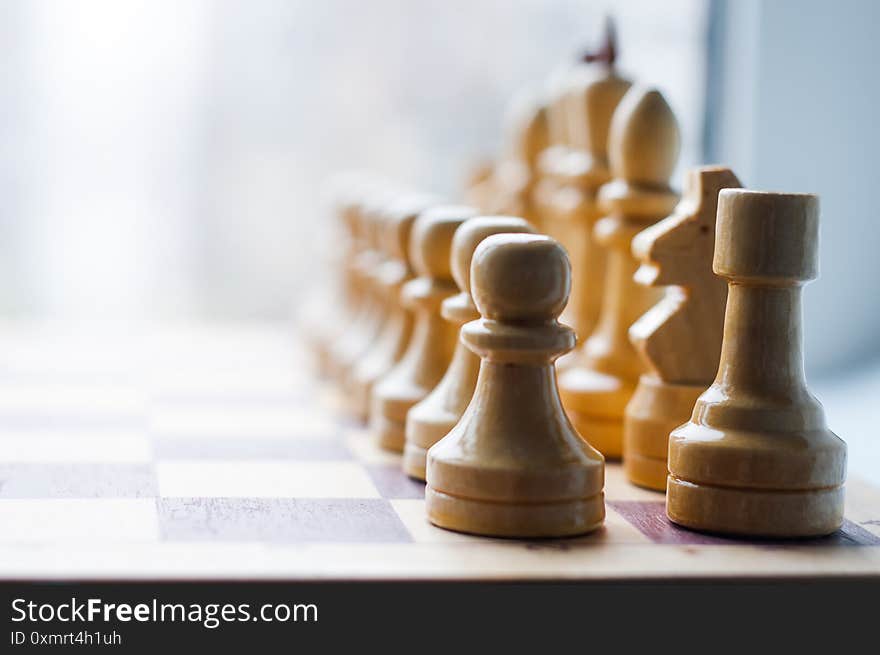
(679, 347)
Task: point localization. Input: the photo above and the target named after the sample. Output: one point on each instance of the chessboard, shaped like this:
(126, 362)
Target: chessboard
(213, 453)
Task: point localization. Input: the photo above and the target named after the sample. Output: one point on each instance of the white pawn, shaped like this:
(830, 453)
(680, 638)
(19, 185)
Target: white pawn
(433, 339)
(514, 466)
(433, 418)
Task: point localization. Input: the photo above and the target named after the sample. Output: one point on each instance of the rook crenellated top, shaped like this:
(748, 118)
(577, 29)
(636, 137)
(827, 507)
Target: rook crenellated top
(768, 237)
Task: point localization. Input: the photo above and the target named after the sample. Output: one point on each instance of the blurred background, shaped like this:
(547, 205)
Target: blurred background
(164, 161)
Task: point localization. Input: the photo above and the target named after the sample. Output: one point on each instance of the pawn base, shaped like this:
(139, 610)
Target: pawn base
(510, 519)
(754, 512)
(655, 410)
(605, 434)
(322, 361)
(425, 426)
(358, 399)
(390, 403)
(389, 434)
(415, 461)
(648, 472)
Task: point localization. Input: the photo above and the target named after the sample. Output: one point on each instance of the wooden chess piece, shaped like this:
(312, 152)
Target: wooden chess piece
(550, 159)
(679, 339)
(391, 343)
(433, 339)
(515, 174)
(571, 211)
(550, 168)
(431, 419)
(332, 305)
(757, 457)
(514, 466)
(369, 325)
(643, 148)
(478, 187)
(363, 256)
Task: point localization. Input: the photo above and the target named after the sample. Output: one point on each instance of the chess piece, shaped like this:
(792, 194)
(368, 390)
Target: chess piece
(478, 188)
(515, 175)
(333, 304)
(390, 344)
(514, 466)
(570, 209)
(757, 458)
(433, 339)
(550, 167)
(679, 339)
(643, 149)
(432, 418)
(548, 163)
(364, 322)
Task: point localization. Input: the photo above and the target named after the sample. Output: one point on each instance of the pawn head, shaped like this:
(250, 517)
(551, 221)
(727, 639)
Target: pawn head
(520, 278)
(430, 242)
(372, 212)
(351, 202)
(471, 233)
(344, 190)
(401, 215)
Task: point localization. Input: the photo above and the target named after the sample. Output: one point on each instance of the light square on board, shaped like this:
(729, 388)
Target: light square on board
(39, 351)
(618, 487)
(242, 420)
(99, 403)
(392, 482)
(363, 445)
(93, 519)
(210, 384)
(412, 514)
(264, 479)
(187, 448)
(213, 396)
(77, 481)
(75, 445)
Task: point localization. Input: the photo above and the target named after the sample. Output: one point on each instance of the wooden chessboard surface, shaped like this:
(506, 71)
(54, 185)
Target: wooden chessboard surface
(211, 453)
